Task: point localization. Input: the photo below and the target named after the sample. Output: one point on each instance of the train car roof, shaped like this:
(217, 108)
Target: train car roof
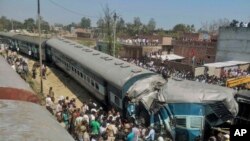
(115, 71)
(23, 121)
(9, 78)
(7, 34)
(185, 91)
(244, 93)
(30, 39)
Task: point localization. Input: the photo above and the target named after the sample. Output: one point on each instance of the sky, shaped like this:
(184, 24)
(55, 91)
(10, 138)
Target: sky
(166, 13)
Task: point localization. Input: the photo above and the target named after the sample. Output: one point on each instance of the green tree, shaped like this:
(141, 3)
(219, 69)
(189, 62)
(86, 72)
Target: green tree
(5, 24)
(120, 26)
(234, 23)
(101, 26)
(29, 24)
(180, 28)
(17, 24)
(85, 22)
(151, 26)
(130, 29)
(44, 25)
(106, 24)
(69, 26)
(137, 26)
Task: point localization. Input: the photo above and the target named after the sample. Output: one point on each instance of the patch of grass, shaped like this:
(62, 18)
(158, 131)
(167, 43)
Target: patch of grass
(36, 88)
(87, 42)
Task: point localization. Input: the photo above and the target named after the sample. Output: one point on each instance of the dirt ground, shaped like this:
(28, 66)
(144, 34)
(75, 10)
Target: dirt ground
(63, 85)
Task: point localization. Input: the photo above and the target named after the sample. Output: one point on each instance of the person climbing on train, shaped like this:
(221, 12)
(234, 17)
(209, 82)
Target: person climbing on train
(131, 109)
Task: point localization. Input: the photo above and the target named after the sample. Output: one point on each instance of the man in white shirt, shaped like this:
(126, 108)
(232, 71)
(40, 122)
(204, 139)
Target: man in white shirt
(49, 104)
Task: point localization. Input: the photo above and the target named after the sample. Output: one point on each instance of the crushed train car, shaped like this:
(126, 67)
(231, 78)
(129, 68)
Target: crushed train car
(185, 108)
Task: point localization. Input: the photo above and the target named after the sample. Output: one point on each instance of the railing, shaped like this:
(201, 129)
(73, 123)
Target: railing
(237, 81)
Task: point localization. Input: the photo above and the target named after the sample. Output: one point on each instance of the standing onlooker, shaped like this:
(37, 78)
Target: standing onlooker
(151, 134)
(52, 94)
(95, 126)
(131, 135)
(44, 70)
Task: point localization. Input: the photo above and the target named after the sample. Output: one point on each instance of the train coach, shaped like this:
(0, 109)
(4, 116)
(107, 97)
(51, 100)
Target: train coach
(22, 118)
(28, 45)
(106, 77)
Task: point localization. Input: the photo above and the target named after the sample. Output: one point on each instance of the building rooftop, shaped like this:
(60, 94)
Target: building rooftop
(225, 64)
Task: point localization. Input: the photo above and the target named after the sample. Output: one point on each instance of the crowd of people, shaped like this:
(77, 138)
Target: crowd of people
(18, 64)
(91, 122)
(140, 41)
(167, 71)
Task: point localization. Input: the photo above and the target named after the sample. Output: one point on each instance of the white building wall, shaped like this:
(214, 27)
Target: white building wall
(233, 44)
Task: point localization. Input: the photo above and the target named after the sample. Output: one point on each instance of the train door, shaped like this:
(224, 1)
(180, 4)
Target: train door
(48, 53)
(106, 93)
(189, 127)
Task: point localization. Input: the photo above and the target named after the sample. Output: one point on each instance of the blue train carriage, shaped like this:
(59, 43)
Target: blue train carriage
(111, 80)
(148, 106)
(243, 99)
(196, 107)
(106, 77)
(6, 37)
(29, 45)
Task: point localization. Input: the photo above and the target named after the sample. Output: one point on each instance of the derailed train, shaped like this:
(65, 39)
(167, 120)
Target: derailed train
(22, 118)
(179, 108)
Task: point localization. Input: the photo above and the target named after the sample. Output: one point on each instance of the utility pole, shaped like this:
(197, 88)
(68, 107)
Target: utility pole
(40, 48)
(115, 17)
(12, 24)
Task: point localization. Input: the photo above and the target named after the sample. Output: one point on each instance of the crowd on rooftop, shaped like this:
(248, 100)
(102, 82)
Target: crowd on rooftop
(151, 64)
(140, 41)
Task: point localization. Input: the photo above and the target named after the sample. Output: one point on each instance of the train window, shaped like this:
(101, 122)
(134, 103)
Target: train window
(81, 75)
(88, 79)
(117, 100)
(92, 83)
(136, 70)
(119, 63)
(78, 72)
(195, 122)
(96, 86)
(181, 122)
(72, 69)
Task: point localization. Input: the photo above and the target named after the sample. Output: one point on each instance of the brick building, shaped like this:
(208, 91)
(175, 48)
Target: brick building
(130, 50)
(197, 48)
(167, 44)
(83, 33)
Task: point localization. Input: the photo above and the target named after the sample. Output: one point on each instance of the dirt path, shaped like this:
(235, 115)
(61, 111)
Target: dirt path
(63, 85)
